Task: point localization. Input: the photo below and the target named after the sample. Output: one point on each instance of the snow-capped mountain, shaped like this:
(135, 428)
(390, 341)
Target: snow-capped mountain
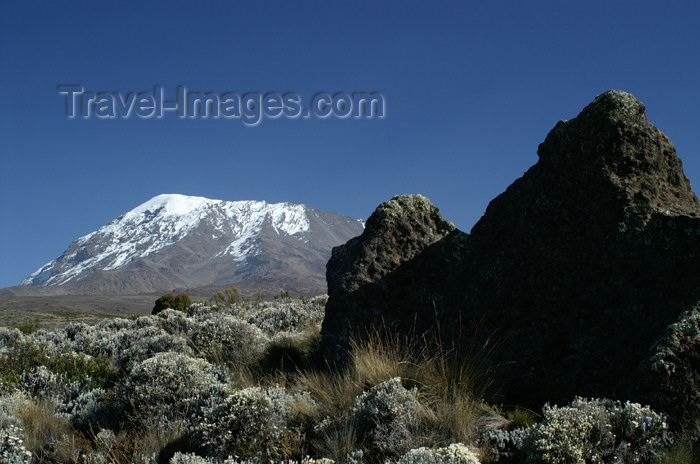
(178, 241)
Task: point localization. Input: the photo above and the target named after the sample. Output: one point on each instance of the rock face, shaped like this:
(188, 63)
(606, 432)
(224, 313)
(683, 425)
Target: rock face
(364, 274)
(585, 269)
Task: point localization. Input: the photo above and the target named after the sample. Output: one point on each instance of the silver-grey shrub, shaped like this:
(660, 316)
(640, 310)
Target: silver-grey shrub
(506, 445)
(10, 406)
(8, 337)
(287, 316)
(596, 431)
(12, 449)
(189, 458)
(144, 343)
(79, 333)
(246, 424)
(228, 340)
(456, 453)
(109, 338)
(105, 441)
(195, 408)
(125, 342)
(639, 433)
(673, 375)
(599, 431)
(42, 383)
(156, 387)
(562, 436)
(86, 411)
(386, 418)
(175, 322)
(49, 341)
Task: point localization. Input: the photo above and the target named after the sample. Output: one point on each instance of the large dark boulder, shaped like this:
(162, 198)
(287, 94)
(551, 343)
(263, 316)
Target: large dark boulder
(580, 269)
(361, 274)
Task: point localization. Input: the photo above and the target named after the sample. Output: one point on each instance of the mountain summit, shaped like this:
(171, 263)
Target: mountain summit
(177, 241)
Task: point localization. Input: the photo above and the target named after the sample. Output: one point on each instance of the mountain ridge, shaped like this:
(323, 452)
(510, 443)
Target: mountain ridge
(178, 241)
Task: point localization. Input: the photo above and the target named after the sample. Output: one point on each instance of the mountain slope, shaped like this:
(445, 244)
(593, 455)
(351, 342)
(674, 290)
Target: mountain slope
(177, 241)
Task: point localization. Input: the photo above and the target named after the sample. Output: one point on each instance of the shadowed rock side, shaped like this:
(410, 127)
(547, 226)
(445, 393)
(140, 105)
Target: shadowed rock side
(582, 269)
(361, 274)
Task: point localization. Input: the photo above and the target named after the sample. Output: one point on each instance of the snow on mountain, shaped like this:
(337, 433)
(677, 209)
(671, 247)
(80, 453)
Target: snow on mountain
(176, 240)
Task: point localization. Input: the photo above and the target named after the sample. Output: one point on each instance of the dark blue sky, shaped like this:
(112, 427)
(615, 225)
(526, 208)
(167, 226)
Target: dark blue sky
(471, 89)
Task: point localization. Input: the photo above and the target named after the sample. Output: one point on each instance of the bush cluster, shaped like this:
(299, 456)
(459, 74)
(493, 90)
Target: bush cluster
(180, 302)
(456, 453)
(12, 450)
(154, 380)
(156, 387)
(586, 431)
(228, 340)
(12, 447)
(232, 383)
(243, 424)
(386, 419)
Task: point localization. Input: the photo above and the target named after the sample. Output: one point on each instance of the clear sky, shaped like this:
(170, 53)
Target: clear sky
(471, 88)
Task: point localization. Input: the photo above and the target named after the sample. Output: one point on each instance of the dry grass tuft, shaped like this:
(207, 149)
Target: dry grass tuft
(337, 442)
(41, 427)
(452, 389)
